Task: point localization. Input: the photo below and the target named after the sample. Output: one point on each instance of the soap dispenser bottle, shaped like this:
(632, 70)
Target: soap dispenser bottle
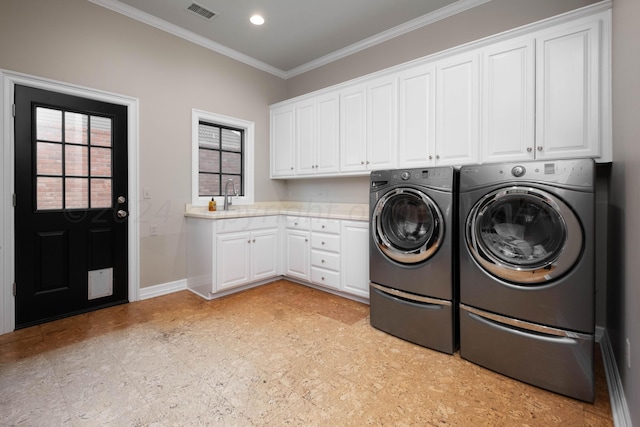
(212, 205)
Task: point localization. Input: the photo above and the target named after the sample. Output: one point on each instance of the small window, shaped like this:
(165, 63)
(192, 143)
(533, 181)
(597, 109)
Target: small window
(222, 152)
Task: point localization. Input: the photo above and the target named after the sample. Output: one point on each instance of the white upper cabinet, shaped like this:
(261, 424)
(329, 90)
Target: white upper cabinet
(382, 123)
(353, 129)
(368, 124)
(508, 87)
(537, 92)
(568, 114)
(317, 135)
(457, 110)
(282, 141)
(416, 117)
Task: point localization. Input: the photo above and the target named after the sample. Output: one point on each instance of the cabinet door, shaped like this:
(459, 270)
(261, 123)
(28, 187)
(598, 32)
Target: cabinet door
(327, 134)
(282, 140)
(355, 255)
(568, 95)
(382, 124)
(297, 264)
(508, 101)
(264, 254)
(233, 260)
(457, 107)
(305, 137)
(416, 117)
(353, 112)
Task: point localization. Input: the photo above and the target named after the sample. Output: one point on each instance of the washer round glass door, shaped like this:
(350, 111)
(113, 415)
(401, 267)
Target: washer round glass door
(407, 225)
(524, 235)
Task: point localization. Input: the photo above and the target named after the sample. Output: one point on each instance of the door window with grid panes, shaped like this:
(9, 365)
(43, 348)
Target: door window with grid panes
(73, 166)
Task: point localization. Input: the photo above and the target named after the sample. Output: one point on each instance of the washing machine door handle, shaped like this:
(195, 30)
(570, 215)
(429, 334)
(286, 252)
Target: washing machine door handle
(524, 235)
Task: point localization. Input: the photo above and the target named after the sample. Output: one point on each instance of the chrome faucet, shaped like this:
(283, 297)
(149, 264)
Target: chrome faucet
(227, 197)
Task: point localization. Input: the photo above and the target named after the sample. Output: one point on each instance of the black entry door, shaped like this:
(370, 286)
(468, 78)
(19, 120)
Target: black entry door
(71, 205)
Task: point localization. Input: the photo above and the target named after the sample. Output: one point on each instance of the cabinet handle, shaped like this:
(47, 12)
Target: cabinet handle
(249, 241)
(362, 162)
(367, 161)
(322, 277)
(437, 156)
(430, 157)
(323, 243)
(291, 167)
(529, 149)
(295, 223)
(540, 148)
(306, 240)
(317, 166)
(254, 240)
(323, 226)
(322, 261)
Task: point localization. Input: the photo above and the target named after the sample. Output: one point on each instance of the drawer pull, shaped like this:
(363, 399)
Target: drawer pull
(322, 277)
(323, 243)
(323, 226)
(322, 261)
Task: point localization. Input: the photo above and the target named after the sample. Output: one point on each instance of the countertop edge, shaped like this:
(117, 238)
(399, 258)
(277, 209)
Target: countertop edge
(341, 211)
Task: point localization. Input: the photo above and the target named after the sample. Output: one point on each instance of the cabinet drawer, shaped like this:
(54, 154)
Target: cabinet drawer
(325, 242)
(325, 225)
(328, 260)
(297, 222)
(246, 223)
(325, 277)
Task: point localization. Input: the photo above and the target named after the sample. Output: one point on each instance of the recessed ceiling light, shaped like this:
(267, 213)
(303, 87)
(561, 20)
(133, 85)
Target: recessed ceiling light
(257, 20)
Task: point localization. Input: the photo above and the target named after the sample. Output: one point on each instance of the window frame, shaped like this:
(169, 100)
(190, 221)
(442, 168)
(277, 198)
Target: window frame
(248, 127)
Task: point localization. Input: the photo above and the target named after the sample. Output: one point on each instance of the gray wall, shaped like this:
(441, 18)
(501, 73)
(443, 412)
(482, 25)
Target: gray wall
(623, 313)
(78, 42)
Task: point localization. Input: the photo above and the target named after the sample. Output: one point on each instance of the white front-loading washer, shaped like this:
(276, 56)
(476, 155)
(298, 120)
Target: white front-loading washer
(527, 280)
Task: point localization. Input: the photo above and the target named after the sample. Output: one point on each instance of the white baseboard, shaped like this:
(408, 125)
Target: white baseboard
(619, 408)
(162, 289)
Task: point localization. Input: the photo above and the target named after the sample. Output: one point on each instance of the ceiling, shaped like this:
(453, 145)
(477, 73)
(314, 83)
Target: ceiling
(298, 35)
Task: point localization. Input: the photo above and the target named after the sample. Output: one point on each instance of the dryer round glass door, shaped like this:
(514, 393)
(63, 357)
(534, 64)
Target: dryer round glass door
(524, 235)
(407, 226)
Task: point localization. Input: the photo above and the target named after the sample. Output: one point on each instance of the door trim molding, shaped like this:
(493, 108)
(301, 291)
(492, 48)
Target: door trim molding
(7, 231)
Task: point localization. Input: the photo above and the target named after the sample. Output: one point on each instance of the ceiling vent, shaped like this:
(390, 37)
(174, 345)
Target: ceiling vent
(201, 11)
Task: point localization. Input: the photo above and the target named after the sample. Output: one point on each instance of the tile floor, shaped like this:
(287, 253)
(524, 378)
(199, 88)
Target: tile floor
(280, 354)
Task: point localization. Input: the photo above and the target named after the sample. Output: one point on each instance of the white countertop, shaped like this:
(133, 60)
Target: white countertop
(348, 211)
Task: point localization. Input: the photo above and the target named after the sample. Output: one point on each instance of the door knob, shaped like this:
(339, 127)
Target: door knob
(122, 214)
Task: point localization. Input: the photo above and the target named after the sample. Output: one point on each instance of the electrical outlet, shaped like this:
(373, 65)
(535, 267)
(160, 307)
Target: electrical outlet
(628, 353)
(153, 230)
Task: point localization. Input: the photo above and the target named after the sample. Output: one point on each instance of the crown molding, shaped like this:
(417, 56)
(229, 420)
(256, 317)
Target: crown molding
(190, 36)
(161, 24)
(422, 21)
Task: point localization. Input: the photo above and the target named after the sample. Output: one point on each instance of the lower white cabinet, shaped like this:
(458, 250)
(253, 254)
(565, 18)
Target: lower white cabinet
(297, 256)
(228, 253)
(297, 246)
(246, 257)
(325, 252)
(355, 258)
(232, 253)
